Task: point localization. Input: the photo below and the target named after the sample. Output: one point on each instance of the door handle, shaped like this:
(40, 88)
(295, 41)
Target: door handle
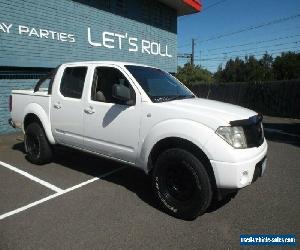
(57, 105)
(89, 110)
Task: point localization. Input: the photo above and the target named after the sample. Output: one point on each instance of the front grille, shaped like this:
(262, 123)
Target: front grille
(254, 134)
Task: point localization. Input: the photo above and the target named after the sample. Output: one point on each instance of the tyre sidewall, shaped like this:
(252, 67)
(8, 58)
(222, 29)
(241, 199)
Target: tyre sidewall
(202, 196)
(44, 152)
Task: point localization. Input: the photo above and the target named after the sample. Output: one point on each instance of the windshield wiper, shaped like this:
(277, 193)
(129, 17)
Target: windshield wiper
(180, 97)
(170, 98)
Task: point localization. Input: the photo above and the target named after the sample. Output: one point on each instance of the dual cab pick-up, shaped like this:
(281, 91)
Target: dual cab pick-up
(193, 148)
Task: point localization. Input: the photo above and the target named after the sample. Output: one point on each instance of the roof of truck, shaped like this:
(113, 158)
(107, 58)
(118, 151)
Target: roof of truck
(105, 62)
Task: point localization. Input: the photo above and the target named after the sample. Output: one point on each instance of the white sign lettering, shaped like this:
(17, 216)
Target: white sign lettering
(106, 39)
(114, 40)
(133, 44)
(39, 33)
(46, 34)
(5, 27)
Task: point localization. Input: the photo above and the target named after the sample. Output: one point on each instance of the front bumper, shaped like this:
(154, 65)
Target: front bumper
(240, 174)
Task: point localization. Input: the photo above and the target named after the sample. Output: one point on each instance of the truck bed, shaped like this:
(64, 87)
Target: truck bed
(23, 99)
(41, 92)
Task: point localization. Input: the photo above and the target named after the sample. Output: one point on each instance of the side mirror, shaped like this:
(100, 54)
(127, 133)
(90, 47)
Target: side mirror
(121, 92)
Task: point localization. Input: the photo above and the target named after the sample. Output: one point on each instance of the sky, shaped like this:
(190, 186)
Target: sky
(221, 17)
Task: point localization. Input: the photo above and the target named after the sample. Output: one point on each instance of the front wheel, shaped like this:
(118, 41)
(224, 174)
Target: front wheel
(182, 184)
(37, 146)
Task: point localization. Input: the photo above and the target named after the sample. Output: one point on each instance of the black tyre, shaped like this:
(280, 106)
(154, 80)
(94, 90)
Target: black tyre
(222, 199)
(37, 146)
(181, 184)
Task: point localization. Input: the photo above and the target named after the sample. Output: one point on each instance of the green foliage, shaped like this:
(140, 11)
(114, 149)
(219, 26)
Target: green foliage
(192, 75)
(284, 67)
(287, 66)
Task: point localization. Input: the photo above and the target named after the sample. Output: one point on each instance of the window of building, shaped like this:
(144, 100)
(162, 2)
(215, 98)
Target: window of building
(168, 21)
(99, 4)
(104, 79)
(105, 4)
(145, 11)
(158, 15)
(72, 82)
(121, 7)
(23, 72)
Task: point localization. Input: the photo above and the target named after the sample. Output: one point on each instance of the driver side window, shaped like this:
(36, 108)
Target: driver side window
(104, 80)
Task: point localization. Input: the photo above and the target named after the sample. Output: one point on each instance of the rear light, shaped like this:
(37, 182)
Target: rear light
(10, 103)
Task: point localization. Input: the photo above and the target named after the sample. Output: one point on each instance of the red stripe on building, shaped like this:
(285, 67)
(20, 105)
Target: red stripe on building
(194, 3)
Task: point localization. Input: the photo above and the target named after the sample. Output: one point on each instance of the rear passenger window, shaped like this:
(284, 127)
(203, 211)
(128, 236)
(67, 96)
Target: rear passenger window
(72, 82)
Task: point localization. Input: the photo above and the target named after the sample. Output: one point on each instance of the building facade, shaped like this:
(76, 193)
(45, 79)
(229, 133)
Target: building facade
(37, 36)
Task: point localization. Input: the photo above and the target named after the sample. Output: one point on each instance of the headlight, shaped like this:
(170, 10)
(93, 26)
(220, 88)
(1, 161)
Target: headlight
(233, 135)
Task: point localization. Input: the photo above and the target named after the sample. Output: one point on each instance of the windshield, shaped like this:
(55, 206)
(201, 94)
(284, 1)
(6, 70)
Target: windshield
(159, 85)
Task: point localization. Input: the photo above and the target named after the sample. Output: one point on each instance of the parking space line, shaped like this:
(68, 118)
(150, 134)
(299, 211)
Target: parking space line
(31, 177)
(33, 204)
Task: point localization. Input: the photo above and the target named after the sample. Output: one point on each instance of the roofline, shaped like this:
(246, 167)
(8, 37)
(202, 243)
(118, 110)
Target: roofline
(195, 4)
(184, 7)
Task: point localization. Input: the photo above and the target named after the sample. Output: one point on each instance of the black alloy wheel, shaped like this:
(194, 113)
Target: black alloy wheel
(180, 181)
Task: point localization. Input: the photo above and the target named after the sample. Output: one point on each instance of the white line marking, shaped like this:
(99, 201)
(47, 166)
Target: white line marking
(31, 177)
(280, 132)
(33, 204)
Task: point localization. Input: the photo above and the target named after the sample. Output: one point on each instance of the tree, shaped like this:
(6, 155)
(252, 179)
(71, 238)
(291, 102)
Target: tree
(192, 75)
(284, 67)
(234, 70)
(219, 75)
(266, 63)
(287, 66)
(253, 70)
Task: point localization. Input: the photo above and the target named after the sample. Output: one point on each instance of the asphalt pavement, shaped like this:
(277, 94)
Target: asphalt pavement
(80, 201)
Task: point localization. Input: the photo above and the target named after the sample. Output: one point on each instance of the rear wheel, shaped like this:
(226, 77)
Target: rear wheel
(37, 146)
(182, 184)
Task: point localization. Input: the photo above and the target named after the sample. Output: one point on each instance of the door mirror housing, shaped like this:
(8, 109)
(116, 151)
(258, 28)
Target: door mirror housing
(121, 92)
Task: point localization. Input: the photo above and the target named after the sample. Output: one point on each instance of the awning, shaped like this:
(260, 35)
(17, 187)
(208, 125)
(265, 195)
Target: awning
(184, 7)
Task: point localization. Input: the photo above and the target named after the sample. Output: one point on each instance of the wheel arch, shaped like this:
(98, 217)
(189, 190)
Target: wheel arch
(177, 142)
(185, 129)
(35, 113)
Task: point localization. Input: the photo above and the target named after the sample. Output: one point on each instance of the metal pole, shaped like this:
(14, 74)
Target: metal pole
(193, 52)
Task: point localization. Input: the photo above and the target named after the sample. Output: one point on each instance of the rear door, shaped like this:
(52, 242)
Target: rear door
(67, 106)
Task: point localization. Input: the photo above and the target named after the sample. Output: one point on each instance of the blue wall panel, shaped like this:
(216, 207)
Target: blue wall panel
(74, 18)
(6, 86)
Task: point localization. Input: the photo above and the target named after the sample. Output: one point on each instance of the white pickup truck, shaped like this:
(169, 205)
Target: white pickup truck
(193, 148)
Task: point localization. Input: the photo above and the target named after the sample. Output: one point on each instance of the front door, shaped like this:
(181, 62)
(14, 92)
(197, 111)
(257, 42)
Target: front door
(111, 126)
